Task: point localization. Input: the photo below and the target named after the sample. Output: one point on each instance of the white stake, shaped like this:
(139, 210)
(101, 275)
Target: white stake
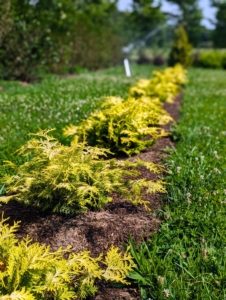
(127, 67)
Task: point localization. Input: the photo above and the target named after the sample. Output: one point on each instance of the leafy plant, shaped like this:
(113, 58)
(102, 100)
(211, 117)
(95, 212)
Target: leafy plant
(210, 59)
(164, 85)
(30, 271)
(56, 36)
(121, 126)
(29, 27)
(181, 49)
(71, 179)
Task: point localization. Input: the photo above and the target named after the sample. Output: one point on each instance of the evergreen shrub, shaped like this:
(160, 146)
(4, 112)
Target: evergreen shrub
(72, 179)
(181, 49)
(121, 125)
(164, 85)
(30, 271)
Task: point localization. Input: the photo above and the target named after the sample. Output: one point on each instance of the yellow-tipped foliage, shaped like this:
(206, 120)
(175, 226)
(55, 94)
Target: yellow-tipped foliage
(121, 126)
(117, 265)
(72, 179)
(164, 85)
(30, 271)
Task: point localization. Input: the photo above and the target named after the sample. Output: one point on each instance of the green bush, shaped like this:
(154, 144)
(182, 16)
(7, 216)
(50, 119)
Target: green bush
(30, 271)
(72, 179)
(164, 85)
(92, 40)
(56, 36)
(181, 49)
(121, 126)
(210, 59)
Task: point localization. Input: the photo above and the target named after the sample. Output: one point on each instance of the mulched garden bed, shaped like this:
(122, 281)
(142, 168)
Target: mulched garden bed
(97, 231)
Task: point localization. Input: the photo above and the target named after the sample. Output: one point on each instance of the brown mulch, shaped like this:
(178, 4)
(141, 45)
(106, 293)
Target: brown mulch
(96, 231)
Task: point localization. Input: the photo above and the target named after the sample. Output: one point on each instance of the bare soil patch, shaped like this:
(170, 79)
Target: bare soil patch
(98, 230)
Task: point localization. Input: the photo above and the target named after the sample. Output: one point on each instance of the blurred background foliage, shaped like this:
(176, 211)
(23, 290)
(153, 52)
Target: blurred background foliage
(67, 36)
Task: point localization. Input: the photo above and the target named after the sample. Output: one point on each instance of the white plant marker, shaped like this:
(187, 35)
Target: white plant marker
(127, 67)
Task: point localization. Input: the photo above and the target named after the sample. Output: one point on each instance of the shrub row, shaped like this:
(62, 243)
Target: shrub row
(210, 59)
(165, 85)
(121, 125)
(75, 178)
(71, 179)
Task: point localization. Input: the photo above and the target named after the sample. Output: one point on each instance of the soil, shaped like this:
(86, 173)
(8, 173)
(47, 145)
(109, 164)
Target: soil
(96, 231)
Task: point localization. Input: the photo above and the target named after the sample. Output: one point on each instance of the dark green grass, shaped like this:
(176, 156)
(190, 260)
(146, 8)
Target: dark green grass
(55, 103)
(187, 259)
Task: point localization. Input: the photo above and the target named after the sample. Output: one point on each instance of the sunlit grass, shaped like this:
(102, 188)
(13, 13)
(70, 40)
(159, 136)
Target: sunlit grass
(187, 259)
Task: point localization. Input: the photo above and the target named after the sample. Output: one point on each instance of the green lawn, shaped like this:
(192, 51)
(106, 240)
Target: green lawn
(187, 259)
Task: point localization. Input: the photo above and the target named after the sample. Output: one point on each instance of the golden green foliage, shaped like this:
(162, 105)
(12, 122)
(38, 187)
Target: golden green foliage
(71, 179)
(30, 271)
(122, 125)
(164, 85)
(180, 52)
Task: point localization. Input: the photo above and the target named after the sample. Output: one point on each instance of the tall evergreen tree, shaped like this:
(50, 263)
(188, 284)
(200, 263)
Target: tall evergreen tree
(181, 49)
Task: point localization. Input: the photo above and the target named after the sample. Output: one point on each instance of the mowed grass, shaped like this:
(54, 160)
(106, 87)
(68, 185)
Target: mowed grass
(55, 103)
(187, 259)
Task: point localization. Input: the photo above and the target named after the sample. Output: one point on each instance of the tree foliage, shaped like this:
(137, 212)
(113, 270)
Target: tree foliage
(190, 17)
(56, 35)
(145, 15)
(220, 29)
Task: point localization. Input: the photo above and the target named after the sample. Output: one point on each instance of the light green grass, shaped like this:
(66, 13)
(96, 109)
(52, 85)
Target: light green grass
(187, 259)
(56, 102)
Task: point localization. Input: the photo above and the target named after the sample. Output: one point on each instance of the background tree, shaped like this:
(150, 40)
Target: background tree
(219, 34)
(191, 16)
(56, 35)
(144, 16)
